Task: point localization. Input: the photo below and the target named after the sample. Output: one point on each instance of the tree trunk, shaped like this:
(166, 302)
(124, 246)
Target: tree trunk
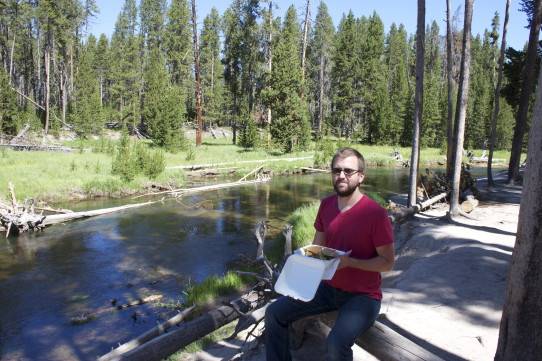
(11, 58)
(196, 71)
(461, 108)
(418, 103)
(497, 98)
(47, 64)
(449, 69)
(525, 94)
(163, 346)
(520, 336)
(269, 52)
(321, 96)
(384, 343)
(305, 37)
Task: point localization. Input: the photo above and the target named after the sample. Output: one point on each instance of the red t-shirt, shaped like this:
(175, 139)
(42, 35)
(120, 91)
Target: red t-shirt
(360, 229)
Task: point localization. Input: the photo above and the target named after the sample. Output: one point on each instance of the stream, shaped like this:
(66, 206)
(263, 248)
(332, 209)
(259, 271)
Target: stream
(49, 277)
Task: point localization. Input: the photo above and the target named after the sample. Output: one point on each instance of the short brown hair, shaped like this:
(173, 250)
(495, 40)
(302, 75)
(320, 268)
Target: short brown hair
(349, 152)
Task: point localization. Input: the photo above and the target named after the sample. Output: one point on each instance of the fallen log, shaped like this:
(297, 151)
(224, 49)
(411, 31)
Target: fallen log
(385, 343)
(306, 169)
(165, 345)
(469, 204)
(197, 166)
(147, 336)
(405, 212)
(60, 218)
(183, 191)
(252, 172)
(86, 317)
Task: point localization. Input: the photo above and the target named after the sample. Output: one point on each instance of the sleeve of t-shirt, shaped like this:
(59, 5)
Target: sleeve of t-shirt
(382, 229)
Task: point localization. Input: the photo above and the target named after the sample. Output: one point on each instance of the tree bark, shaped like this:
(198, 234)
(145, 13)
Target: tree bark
(305, 37)
(449, 76)
(384, 343)
(418, 103)
(269, 56)
(196, 71)
(490, 181)
(461, 108)
(147, 336)
(47, 64)
(525, 93)
(520, 335)
(169, 343)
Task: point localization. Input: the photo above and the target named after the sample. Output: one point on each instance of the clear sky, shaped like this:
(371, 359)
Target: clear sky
(390, 11)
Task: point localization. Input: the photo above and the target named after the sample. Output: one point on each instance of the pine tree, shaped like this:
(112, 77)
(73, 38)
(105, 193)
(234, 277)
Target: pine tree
(396, 55)
(232, 60)
(162, 112)
(86, 114)
(8, 106)
(320, 49)
(345, 74)
(432, 131)
(126, 79)
(373, 79)
(178, 47)
(290, 127)
(251, 55)
(211, 69)
(152, 14)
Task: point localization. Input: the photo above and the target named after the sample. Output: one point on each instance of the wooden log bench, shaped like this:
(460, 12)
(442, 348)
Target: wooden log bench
(380, 341)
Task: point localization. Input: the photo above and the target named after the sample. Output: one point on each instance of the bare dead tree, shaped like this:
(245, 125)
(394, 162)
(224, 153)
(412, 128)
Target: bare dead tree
(449, 77)
(196, 71)
(497, 97)
(418, 103)
(525, 93)
(461, 108)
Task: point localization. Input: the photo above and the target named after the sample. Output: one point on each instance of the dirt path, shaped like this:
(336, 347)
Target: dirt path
(446, 291)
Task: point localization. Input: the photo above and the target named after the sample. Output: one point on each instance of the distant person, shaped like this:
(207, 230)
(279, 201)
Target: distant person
(346, 221)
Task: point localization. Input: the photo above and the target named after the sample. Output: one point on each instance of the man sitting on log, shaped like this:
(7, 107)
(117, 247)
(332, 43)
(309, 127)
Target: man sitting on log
(346, 221)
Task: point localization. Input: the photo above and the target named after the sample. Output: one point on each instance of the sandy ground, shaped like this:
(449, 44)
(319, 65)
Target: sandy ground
(447, 288)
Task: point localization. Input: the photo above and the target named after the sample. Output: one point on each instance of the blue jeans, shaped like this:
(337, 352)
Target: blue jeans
(357, 313)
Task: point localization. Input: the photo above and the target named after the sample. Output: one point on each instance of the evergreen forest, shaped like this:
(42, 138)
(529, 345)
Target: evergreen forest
(273, 76)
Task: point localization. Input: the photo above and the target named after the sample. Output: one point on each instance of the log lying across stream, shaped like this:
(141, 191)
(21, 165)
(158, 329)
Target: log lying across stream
(60, 218)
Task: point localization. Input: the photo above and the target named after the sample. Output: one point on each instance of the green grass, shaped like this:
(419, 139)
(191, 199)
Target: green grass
(213, 287)
(56, 176)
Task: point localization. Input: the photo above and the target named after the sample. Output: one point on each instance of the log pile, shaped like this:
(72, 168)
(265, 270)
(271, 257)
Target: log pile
(18, 219)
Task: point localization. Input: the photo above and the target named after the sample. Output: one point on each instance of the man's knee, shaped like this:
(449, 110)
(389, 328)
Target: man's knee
(273, 313)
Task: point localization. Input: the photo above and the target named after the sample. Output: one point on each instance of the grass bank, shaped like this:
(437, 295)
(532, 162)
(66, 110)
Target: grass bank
(53, 177)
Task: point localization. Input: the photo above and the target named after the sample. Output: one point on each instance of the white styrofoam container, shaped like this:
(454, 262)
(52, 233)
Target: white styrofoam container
(301, 274)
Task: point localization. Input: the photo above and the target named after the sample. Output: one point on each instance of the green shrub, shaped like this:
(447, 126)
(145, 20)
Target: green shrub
(250, 137)
(155, 164)
(190, 153)
(124, 164)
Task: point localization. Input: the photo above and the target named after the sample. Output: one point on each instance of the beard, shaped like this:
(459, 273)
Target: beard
(344, 192)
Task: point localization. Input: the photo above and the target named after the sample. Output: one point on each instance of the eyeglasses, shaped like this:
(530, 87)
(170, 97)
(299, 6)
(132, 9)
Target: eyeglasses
(347, 171)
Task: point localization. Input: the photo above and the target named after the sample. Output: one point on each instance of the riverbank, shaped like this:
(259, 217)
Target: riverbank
(447, 288)
(57, 177)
